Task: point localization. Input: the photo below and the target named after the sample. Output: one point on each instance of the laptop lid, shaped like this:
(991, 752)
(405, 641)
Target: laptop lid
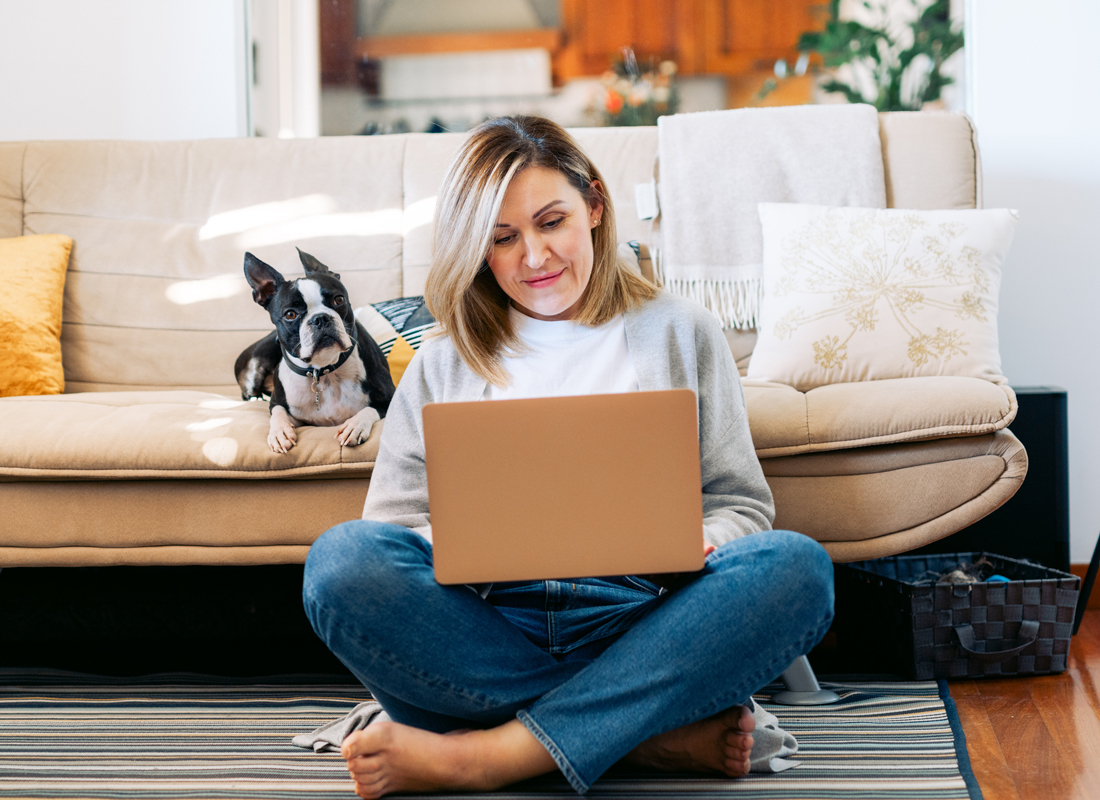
(564, 487)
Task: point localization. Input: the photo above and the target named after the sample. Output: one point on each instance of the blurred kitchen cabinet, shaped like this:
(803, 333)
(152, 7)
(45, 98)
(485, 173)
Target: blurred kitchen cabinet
(596, 32)
(742, 35)
(723, 37)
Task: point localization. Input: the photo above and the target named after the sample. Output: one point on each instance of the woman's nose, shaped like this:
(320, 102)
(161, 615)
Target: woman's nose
(535, 252)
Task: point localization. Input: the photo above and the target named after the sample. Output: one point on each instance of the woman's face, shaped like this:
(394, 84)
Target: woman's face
(542, 248)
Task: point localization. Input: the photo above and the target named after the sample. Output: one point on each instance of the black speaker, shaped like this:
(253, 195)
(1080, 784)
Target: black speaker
(1034, 523)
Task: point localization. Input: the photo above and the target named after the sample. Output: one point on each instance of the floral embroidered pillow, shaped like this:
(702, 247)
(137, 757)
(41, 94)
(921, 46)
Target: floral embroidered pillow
(857, 294)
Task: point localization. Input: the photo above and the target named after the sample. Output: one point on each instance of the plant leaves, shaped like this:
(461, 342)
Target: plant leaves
(843, 42)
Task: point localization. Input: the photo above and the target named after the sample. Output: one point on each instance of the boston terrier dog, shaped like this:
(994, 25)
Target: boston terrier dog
(319, 365)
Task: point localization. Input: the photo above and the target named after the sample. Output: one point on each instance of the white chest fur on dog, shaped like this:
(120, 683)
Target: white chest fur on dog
(342, 394)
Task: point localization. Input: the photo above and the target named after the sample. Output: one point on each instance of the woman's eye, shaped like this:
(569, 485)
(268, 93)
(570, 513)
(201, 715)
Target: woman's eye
(290, 316)
(553, 223)
(503, 240)
(338, 300)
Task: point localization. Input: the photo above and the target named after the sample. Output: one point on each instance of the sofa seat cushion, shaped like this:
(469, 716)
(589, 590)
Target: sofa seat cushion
(156, 435)
(785, 421)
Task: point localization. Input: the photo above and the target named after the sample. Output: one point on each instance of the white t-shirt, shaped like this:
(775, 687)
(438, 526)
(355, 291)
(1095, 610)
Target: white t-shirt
(566, 358)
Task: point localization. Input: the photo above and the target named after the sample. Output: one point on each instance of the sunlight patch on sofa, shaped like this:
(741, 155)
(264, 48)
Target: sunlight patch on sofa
(208, 425)
(419, 214)
(366, 223)
(222, 404)
(185, 293)
(240, 220)
(308, 217)
(221, 450)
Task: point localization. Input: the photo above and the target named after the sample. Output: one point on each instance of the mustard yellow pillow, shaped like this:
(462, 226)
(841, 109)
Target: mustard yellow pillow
(32, 273)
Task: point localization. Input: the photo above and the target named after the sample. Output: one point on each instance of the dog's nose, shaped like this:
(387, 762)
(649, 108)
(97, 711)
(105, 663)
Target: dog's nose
(321, 321)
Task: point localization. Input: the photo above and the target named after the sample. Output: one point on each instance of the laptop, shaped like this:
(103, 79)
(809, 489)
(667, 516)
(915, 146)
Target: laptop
(564, 487)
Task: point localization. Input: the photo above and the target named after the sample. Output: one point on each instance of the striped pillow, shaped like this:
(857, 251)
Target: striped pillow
(398, 326)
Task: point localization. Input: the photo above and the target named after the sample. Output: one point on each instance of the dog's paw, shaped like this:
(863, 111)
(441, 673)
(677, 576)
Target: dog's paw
(281, 437)
(355, 431)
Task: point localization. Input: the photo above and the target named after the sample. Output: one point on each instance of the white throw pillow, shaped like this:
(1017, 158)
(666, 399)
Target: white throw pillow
(857, 294)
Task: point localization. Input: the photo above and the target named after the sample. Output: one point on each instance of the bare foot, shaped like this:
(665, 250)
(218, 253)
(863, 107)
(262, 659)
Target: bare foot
(722, 743)
(389, 757)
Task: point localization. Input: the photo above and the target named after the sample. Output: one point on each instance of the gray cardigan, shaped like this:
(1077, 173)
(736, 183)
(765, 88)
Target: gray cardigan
(674, 343)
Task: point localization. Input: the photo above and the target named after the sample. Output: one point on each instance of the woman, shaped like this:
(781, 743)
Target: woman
(532, 677)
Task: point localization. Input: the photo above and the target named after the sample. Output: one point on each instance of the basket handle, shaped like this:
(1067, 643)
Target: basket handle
(1029, 632)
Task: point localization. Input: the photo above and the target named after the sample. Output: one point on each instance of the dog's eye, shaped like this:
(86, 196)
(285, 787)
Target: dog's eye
(338, 300)
(290, 316)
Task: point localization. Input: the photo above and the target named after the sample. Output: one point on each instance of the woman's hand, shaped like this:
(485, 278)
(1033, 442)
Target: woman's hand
(674, 580)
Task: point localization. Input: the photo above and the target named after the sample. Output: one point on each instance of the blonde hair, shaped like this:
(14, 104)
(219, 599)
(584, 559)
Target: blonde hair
(461, 292)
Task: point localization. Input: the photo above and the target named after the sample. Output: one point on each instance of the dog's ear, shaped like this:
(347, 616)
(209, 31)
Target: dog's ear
(313, 265)
(263, 278)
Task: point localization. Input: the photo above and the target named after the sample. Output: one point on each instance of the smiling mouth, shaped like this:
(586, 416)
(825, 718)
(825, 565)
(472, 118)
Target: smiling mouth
(544, 280)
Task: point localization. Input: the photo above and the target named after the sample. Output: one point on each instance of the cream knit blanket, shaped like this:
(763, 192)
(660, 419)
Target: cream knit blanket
(715, 167)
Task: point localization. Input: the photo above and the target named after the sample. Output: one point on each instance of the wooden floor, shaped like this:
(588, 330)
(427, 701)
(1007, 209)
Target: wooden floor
(1038, 738)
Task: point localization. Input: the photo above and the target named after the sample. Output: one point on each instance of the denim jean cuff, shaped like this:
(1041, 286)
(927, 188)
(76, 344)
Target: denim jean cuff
(559, 757)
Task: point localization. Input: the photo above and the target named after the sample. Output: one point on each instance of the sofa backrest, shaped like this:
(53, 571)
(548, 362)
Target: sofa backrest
(155, 297)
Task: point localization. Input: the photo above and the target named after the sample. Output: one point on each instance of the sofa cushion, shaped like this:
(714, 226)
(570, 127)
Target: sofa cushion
(155, 296)
(11, 188)
(930, 159)
(785, 421)
(32, 270)
(135, 435)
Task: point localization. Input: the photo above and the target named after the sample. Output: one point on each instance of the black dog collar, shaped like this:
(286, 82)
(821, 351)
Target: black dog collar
(315, 372)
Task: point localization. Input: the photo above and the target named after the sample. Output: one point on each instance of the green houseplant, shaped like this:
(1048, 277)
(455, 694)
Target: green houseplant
(901, 65)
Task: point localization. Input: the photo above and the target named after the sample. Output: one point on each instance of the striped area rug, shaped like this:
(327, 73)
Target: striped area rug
(169, 737)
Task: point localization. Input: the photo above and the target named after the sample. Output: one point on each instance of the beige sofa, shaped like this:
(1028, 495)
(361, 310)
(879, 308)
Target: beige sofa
(151, 458)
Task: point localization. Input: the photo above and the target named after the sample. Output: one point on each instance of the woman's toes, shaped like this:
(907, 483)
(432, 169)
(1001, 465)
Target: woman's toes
(738, 720)
(738, 741)
(364, 765)
(736, 766)
(370, 786)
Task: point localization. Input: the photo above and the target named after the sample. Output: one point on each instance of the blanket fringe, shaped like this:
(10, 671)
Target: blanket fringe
(736, 304)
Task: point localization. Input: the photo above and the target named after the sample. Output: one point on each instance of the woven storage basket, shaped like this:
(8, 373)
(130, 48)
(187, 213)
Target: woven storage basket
(1021, 627)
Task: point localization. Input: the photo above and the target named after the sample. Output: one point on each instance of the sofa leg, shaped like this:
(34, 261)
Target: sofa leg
(802, 687)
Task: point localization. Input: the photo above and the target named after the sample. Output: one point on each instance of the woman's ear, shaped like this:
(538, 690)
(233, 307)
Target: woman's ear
(595, 208)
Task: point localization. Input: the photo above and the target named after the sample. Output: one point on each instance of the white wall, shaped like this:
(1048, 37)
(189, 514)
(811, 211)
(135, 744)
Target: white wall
(122, 69)
(1035, 99)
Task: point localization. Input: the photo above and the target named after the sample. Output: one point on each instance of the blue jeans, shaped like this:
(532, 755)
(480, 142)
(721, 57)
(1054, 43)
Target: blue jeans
(592, 667)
